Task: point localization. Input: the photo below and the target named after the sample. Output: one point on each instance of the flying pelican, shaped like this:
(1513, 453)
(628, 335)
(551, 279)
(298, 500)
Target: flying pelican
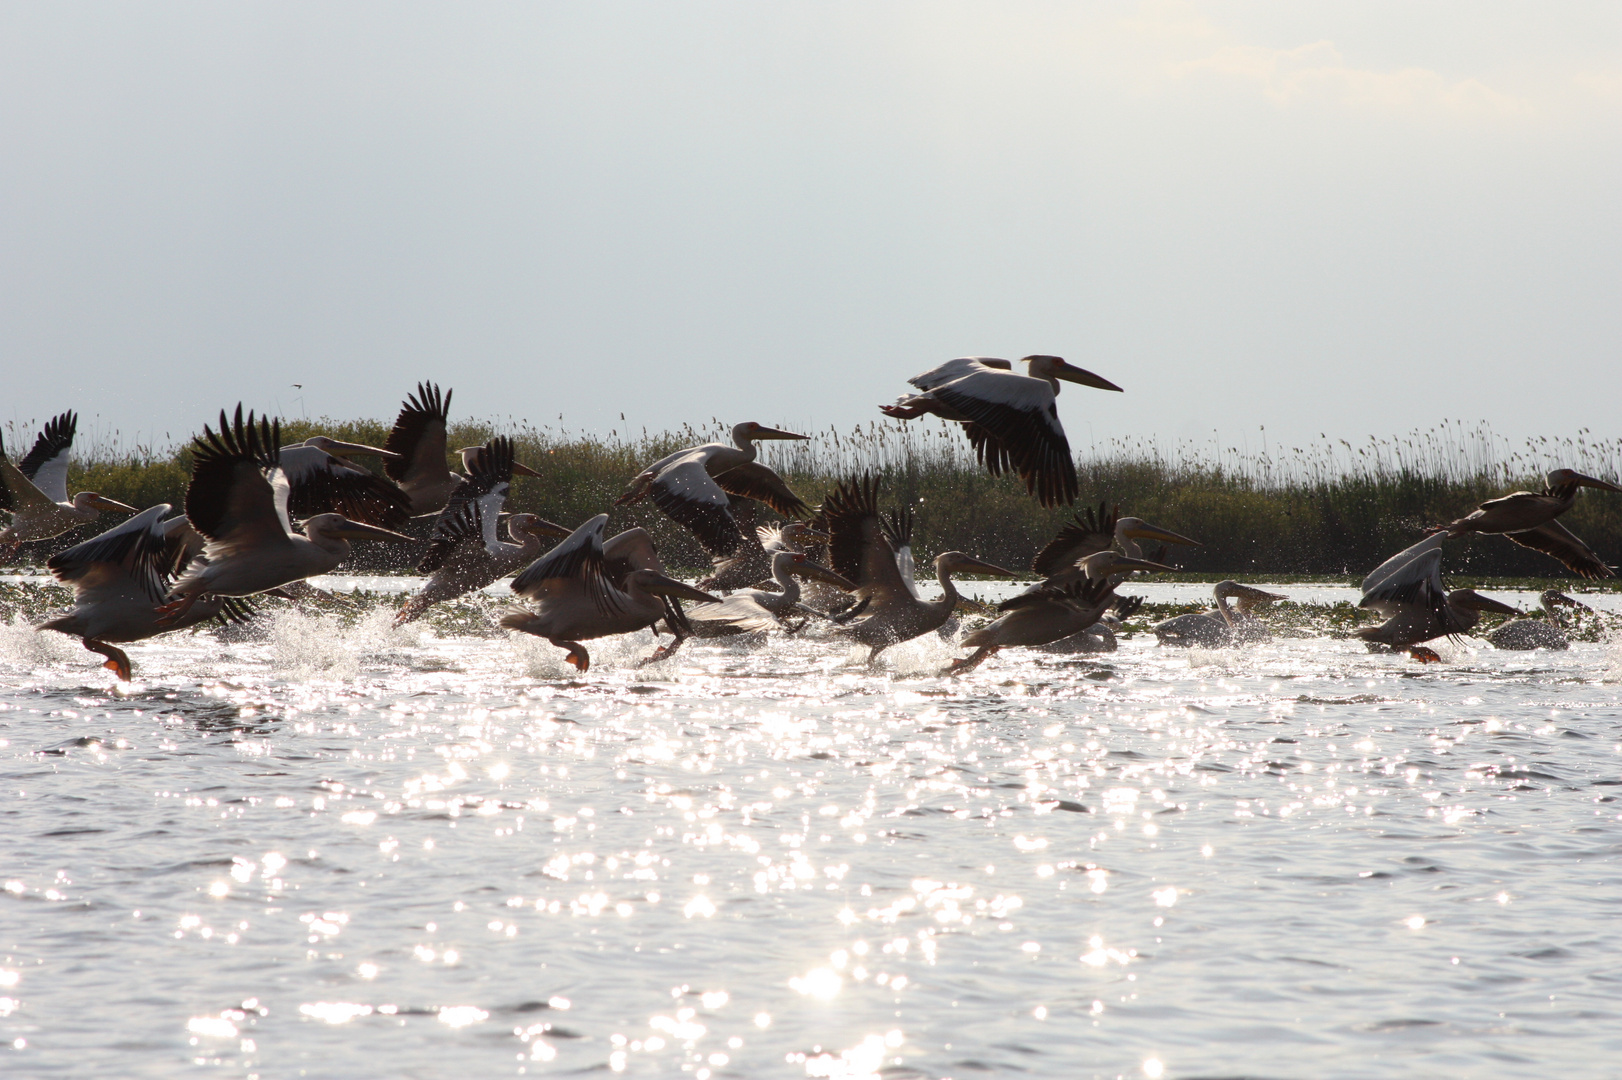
(1407, 590)
(237, 500)
(577, 598)
(862, 553)
(1096, 531)
(35, 489)
(1221, 626)
(691, 486)
(1054, 612)
(1535, 633)
(323, 481)
(749, 610)
(1100, 637)
(1528, 518)
(1012, 421)
(119, 578)
(464, 552)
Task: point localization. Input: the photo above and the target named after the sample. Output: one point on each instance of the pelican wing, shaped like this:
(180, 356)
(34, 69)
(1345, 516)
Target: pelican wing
(453, 530)
(322, 484)
(134, 550)
(1091, 532)
(1555, 539)
(17, 492)
(418, 436)
(738, 610)
(1410, 578)
(233, 497)
(1014, 427)
(753, 480)
(898, 530)
(630, 550)
(953, 370)
(578, 559)
(857, 546)
(690, 497)
(474, 508)
(47, 463)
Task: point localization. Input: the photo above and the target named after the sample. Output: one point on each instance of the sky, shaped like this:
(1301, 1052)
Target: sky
(1317, 219)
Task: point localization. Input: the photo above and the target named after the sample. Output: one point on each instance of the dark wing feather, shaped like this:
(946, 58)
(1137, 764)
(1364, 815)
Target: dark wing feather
(1009, 439)
(57, 438)
(579, 557)
(898, 527)
(857, 546)
(1091, 532)
(228, 481)
(339, 488)
(419, 433)
(140, 549)
(755, 481)
(1555, 539)
(713, 525)
(452, 530)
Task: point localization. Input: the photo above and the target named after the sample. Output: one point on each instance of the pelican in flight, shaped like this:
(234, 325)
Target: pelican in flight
(1535, 633)
(1012, 420)
(1222, 625)
(888, 612)
(464, 552)
(1093, 532)
(749, 610)
(237, 501)
(1407, 591)
(1528, 519)
(416, 450)
(692, 486)
(120, 577)
(584, 589)
(322, 480)
(35, 489)
(1053, 612)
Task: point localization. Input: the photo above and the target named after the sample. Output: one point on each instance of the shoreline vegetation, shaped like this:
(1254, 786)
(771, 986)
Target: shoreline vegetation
(1329, 511)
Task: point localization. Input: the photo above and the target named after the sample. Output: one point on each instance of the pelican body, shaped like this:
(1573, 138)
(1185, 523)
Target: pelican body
(692, 486)
(1407, 590)
(1528, 519)
(1223, 625)
(1536, 633)
(584, 589)
(35, 489)
(1011, 420)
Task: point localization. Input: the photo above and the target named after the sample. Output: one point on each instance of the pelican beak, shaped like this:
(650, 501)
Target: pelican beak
(822, 573)
(1589, 481)
(349, 449)
(1072, 373)
(102, 502)
(542, 527)
(1165, 536)
(773, 433)
(966, 564)
(1257, 596)
(1473, 599)
(520, 469)
(1137, 564)
(663, 586)
(354, 530)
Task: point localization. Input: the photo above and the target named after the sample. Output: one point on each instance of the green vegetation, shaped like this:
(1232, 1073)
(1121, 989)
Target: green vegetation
(1330, 510)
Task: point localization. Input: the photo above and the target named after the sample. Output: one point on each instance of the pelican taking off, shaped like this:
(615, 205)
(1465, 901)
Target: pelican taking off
(577, 598)
(760, 609)
(322, 480)
(237, 500)
(35, 489)
(692, 486)
(1093, 532)
(1407, 590)
(1535, 633)
(1528, 518)
(1222, 625)
(1011, 420)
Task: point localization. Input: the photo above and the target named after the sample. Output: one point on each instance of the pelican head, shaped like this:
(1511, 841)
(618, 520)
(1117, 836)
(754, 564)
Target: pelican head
(1552, 598)
(521, 525)
(339, 449)
(797, 564)
(651, 581)
(955, 562)
(338, 527)
(1469, 598)
(1053, 367)
(91, 500)
(1562, 477)
(744, 434)
(1138, 529)
(1103, 564)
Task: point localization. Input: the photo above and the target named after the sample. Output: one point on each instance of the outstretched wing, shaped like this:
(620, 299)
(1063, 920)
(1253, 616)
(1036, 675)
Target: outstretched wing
(231, 498)
(690, 497)
(857, 546)
(1014, 427)
(753, 480)
(135, 550)
(577, 559)
(47, 463)
(418, 435)
(1410, 578)
(1555, 539)
(1092, 531)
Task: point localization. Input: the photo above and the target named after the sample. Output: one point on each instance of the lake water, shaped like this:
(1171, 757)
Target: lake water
(362, 852)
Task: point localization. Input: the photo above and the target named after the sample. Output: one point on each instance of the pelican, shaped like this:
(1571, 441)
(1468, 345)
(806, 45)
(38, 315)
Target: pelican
(464, 552)
(1097, 531)
(759, 609)
(35, 489)
(1535, 633)
(237, 500)
(1222, 625)
(750, 562)
(691, 486)
(1055, 611)
(119, 578)
(862, 553)
(1100, 637)
(577, 597)
(1528, 519)
(1407, 591)
(1011, 420)
(322, 480)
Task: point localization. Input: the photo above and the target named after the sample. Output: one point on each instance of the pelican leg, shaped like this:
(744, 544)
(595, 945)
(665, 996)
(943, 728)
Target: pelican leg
(902, 412)
(664, 652)
(969, 663)
(118, 662)
(175, 610)
(578, 657)
(1424, 655)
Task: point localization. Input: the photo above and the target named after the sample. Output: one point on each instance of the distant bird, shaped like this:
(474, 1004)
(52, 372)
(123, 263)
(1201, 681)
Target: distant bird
(35, 489)
(120, 577)
(1053, 612)
(1528, 518)
(237, 500)
(464, 553)
(576, 596)
(887, 613)
(750, 610)
(1011, 420)
(1221, 626)
(1407, 590)
(322, 480)
(1535, 633)
(692, 486)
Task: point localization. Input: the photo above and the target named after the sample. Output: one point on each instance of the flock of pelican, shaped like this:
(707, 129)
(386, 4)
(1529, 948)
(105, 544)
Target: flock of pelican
(260, 518)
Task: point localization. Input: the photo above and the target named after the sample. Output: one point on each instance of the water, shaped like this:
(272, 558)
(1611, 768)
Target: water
(358, 852)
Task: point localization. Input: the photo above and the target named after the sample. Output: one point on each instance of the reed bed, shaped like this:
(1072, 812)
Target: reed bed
(1332, 508)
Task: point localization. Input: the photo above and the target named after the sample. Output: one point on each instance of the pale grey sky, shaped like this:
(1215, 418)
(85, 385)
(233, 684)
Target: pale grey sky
(1349, 218)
